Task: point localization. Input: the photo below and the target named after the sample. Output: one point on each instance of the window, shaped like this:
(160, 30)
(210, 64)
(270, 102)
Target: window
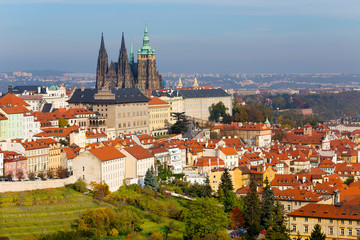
(306, 219)
(83, 168)
(294, 228)
(358, 232)
(342, 221)
(306, 229)
(350, 222)
(350, 232)
(331, 221)
(288, 207)
(331, 231)
(319, 220)
(294, 218)
(341, 231)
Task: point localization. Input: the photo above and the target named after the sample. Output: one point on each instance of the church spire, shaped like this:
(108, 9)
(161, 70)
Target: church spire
(131, 53)
(180, 83)
(195, 85)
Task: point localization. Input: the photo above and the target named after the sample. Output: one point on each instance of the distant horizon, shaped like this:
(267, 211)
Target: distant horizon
(231, 36)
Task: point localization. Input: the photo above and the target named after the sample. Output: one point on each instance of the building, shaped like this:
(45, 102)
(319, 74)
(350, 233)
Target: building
(125, 73)
(337, 221)
(138, 161)
(126, 109)
(104, 164)
(159, 114)
(197, 102)
(13, 164)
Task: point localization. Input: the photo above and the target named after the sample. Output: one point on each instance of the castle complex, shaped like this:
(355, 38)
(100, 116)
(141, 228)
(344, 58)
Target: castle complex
(125, 73)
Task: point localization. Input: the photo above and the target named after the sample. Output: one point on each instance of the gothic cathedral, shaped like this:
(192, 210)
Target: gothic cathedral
(125, 73)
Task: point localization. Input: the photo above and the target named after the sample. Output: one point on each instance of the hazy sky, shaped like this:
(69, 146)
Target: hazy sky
(205, 36)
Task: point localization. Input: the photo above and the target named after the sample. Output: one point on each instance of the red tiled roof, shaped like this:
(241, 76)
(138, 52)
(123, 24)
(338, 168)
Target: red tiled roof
(70, 154)
(204, 162)
(106, 153)
(12, 100)
(157, 101)
(139, 152)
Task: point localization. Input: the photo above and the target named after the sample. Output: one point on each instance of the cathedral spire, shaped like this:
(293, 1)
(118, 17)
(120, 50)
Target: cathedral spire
(146, 49)
(122, 42)
(131, 53)
(102, 44)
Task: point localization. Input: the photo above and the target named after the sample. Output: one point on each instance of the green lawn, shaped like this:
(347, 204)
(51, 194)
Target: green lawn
(52, 210)
(41, 211)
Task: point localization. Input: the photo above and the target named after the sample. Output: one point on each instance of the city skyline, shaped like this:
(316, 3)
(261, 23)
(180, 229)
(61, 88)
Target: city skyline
(197, 36)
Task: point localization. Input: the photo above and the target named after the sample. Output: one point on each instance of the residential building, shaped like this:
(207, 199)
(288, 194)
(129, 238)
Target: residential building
(138, 161)
(99, 165)
(159, 114)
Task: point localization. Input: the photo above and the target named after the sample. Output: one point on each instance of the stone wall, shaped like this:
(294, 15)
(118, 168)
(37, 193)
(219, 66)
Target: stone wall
(34, 185)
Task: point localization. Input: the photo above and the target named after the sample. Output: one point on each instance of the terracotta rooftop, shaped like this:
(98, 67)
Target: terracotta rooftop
(106, 153)
(139, 152)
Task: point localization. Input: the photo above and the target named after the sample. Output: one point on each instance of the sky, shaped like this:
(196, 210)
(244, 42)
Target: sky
(189, 36)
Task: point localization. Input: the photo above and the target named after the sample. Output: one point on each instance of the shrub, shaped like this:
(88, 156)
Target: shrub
(80, 185)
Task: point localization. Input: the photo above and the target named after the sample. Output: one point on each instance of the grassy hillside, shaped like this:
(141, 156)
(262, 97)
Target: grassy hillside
(31, 213)
(41, 211)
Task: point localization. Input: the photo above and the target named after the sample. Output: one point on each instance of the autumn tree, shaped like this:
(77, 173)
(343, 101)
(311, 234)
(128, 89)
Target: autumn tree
(237, 219)
(63, 122)
(100, 190)
(20, 174)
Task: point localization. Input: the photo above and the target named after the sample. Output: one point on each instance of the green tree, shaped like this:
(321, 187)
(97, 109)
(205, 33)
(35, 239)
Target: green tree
(205, 189)
(278, 228)
(226, 182)
(204, 216)
(216, 111)
(150, 179)
(349, 180)
(80, 185)
(63, 122)
(227, 119)
(252, 212)
(317, 234)
(181, 124)
(229, 201)
(268, 199)
(128, 220)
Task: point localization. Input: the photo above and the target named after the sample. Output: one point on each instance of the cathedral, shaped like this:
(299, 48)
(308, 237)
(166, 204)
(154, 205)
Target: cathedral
(126, 73)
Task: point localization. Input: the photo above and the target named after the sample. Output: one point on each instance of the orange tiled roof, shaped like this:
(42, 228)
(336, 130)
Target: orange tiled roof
(157, 101)
(106, 153)
(228, 151)
(139, 152)
(209, 161)
(327, 211)
(11, 100)
(70, 154)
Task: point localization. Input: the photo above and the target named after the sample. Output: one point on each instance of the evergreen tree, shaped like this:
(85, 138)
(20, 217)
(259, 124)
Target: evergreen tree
(181, 124)
(268, 204)
(317, 234)
(150, 179)
(229, 201)
(278, 229)
(252, 212)
(206, 188)
(226, 182)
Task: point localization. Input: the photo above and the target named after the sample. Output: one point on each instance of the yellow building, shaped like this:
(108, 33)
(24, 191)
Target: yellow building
(159, 114)
(336, 221)
(269, 173)
(235, 174)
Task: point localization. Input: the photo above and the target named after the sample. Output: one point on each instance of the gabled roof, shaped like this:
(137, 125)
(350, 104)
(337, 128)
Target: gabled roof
(70, 154)
(11, 100)
(106, 153)
(228, 151)
(157, 101)
(139, 152)
(209, 161)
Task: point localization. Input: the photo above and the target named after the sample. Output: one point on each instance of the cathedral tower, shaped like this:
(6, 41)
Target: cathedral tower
(125, 75)
(147, 77)
(102, 65)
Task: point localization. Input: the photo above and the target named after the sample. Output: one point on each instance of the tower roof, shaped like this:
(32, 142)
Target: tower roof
(180, 85)
(195, 85)
(146, 49)
(102, 50)
(123, 48)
